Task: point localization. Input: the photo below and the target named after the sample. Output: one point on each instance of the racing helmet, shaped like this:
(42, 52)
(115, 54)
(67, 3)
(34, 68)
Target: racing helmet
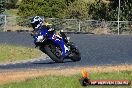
(36, 22)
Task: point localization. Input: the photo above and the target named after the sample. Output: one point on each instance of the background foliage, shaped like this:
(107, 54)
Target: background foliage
(46, 8)
(98, 10)
(2, 6)
(7, 4)
(11, 4)
(109, 11)
(79, 9)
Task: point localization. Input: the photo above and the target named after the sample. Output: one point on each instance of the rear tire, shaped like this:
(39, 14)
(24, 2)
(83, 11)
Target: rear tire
(75, 54)
(52, 55)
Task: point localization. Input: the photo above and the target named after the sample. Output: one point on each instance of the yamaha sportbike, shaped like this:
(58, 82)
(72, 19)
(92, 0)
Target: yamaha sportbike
(54, 46)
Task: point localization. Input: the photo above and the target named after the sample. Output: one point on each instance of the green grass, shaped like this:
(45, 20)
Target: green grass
(10, 53)
(69, 82)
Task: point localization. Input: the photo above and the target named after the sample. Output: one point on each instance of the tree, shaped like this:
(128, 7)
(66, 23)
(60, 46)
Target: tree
(126, 10)
(46, 8)
(2, 6)
(11, 4)
(57, 8)
(101, 10)
(78, 9)
(69, 1)
(98, 10)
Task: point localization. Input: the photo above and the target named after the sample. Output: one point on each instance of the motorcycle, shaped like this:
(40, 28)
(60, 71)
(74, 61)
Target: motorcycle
(56, 48)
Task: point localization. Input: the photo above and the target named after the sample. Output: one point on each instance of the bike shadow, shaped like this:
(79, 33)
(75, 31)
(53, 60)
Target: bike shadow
(52, 62)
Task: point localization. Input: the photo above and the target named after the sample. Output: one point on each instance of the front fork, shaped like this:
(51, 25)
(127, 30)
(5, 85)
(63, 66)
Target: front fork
(64, 49)
(62, 45)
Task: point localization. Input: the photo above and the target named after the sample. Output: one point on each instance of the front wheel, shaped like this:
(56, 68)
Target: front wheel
(54, 53)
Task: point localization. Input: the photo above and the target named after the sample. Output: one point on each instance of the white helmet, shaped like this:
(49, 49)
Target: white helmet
(36, 22)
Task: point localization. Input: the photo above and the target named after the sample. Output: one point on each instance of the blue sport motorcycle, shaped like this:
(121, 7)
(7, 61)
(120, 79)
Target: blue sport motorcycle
(55, 47)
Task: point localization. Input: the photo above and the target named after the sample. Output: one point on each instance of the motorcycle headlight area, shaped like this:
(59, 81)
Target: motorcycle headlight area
(40, 38)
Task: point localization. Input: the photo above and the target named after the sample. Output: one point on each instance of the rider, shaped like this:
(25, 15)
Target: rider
(38, 23)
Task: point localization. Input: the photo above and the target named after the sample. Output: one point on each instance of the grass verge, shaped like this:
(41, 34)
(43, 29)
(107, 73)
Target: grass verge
(11, 53)
(69, 81)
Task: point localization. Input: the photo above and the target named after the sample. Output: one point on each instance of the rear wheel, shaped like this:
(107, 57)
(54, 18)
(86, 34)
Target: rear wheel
(54, 52)
(75, 54)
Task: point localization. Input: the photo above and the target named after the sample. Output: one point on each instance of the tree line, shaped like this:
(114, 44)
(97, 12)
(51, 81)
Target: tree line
(76, 9)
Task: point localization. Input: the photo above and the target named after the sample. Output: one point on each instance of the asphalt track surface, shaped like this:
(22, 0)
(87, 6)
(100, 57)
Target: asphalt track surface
(95, 50)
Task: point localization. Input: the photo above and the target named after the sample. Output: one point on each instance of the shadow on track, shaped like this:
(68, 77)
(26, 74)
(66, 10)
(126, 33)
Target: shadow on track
(52, 62)
(36, 64)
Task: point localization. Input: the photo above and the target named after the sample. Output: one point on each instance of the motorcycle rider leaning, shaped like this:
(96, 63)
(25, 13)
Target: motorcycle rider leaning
(38, 23)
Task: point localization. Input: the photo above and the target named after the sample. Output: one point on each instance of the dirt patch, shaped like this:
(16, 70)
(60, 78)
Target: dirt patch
(17, 27)
(15, 76)
(101, 31)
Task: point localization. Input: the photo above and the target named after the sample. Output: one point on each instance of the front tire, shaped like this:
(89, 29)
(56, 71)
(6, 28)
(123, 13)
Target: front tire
(50, 53)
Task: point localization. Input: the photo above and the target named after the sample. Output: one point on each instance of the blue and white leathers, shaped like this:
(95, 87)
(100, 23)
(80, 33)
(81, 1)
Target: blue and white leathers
(56, 39)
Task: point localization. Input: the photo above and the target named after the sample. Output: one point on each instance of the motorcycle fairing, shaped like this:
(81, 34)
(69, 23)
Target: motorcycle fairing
(55, 39)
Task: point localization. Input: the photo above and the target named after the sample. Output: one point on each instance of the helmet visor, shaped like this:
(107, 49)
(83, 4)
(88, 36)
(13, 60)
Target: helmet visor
(34, 25)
